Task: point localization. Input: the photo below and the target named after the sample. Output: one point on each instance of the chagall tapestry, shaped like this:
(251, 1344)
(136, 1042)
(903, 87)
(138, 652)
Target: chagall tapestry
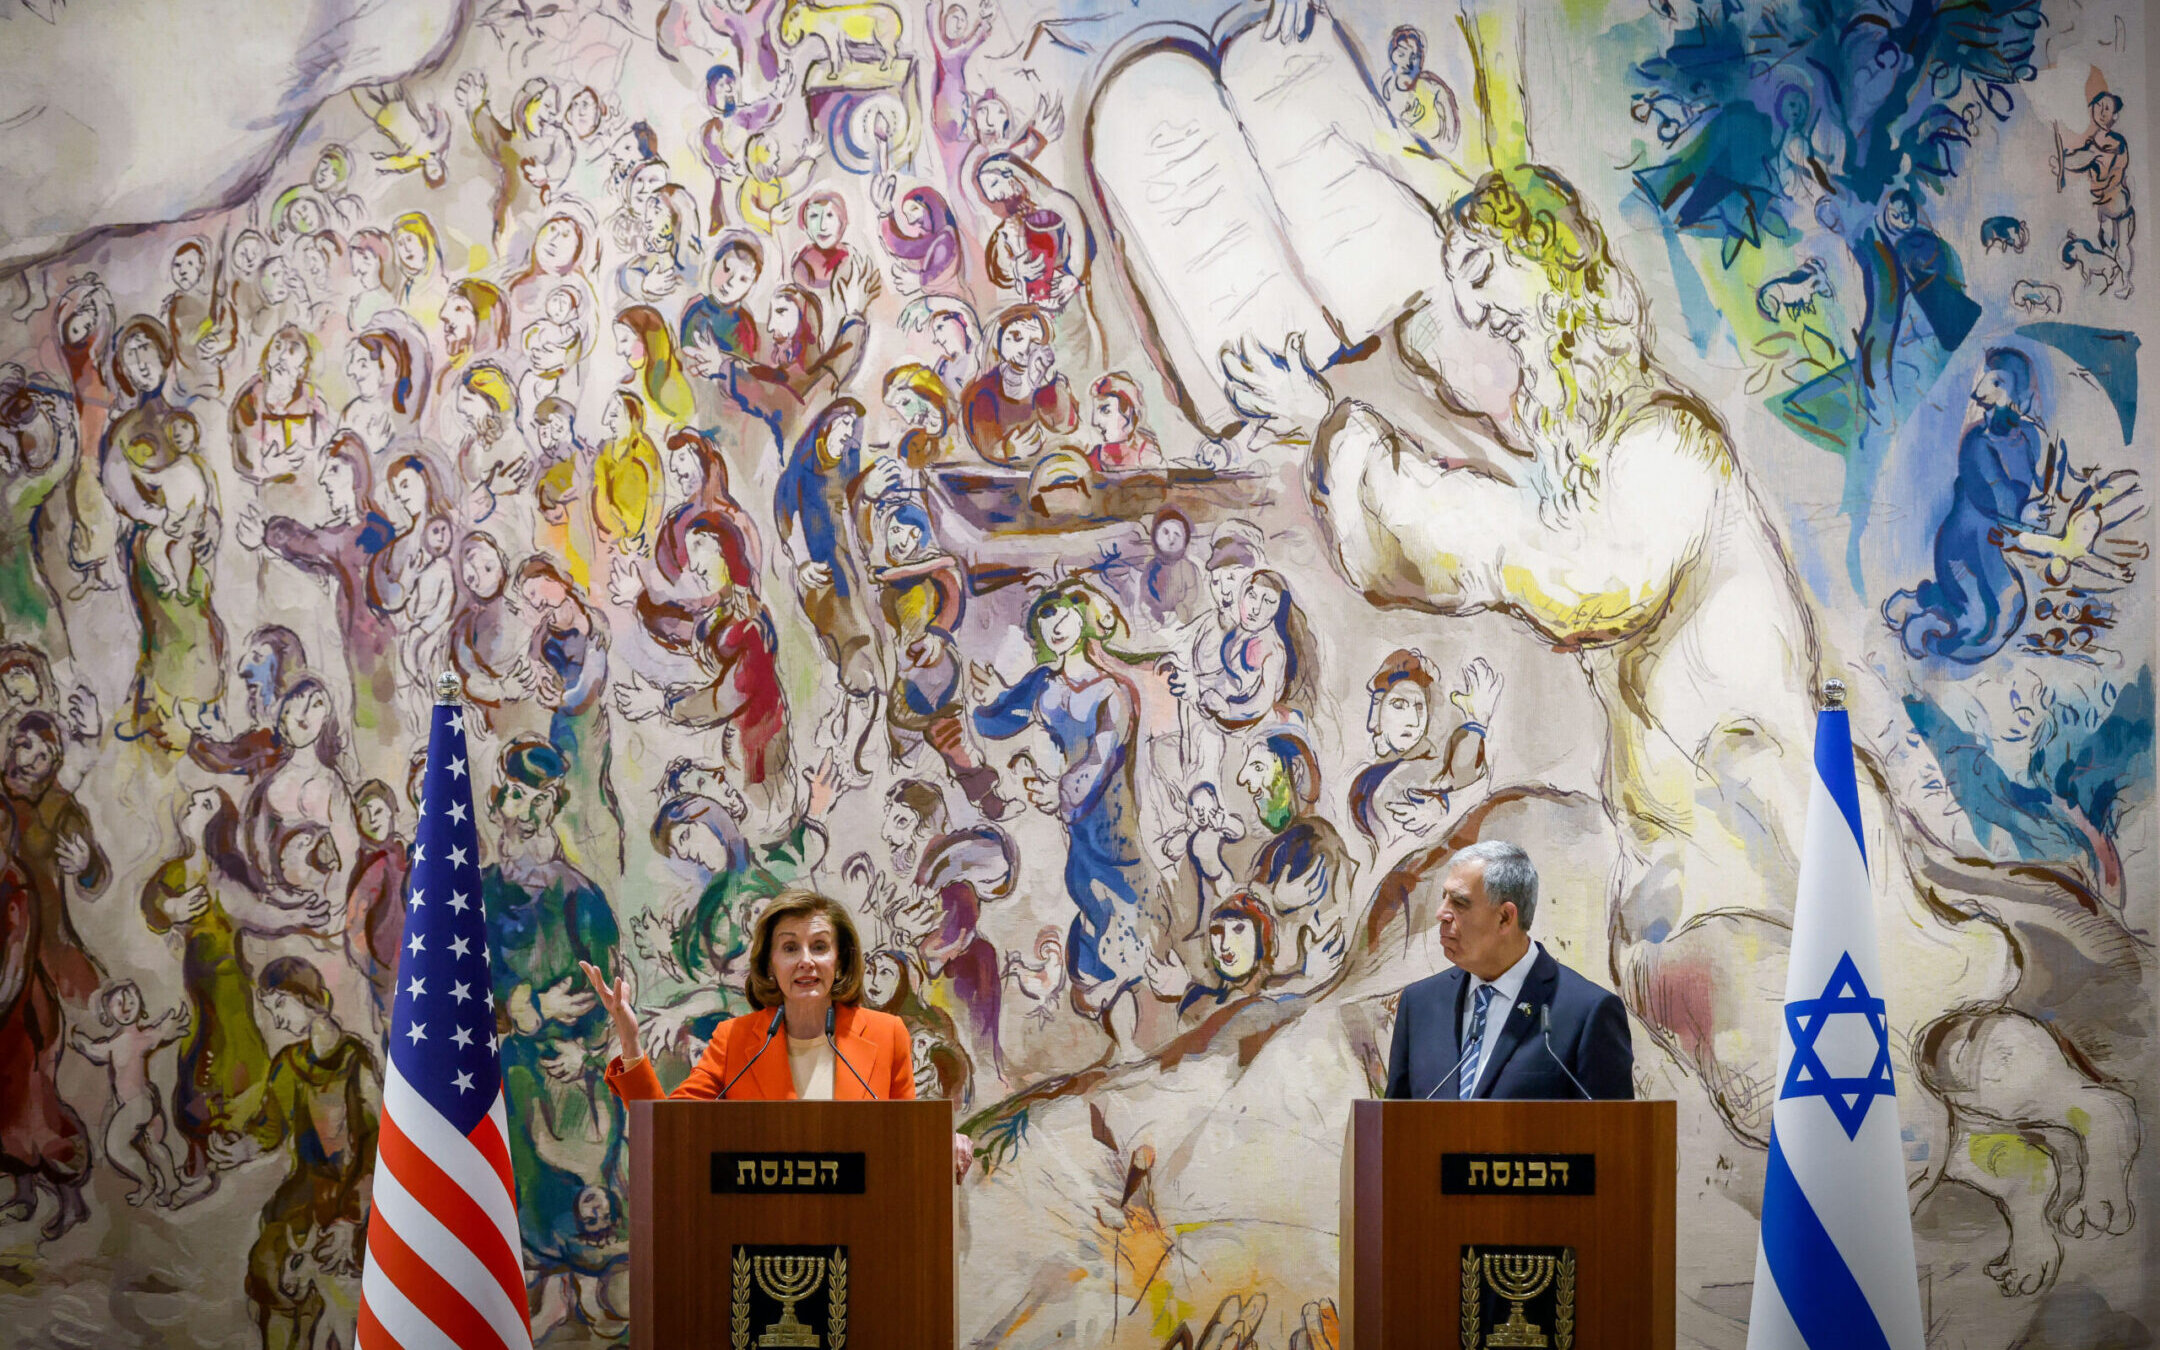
(1116, 492)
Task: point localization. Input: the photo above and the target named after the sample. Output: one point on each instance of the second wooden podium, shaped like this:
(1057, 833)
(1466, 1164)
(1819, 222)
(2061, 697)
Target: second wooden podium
(1489, 1225)
(791, 1224)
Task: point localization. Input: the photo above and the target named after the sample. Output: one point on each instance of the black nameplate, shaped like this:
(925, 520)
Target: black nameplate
(787, 1173)
(1518, 1174)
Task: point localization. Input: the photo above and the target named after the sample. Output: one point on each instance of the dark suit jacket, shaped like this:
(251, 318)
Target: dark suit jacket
(1589, 1034)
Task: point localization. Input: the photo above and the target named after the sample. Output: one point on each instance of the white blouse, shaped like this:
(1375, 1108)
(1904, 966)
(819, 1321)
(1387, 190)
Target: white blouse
(811, 1061)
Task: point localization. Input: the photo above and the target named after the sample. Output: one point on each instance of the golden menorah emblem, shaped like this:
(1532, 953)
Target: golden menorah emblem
(764, 1276)
(1526, 1280)
(1518, 1279)
(788, 1280)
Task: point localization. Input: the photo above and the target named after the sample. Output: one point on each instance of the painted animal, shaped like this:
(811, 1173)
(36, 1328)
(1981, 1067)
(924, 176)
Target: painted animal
(842, 26)
(2089, 262)
(1039, 982)
(2036, 297)
(2003, 232)
(1795, 293)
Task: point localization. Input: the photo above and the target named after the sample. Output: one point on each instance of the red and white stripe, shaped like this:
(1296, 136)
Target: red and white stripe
(443, 1268)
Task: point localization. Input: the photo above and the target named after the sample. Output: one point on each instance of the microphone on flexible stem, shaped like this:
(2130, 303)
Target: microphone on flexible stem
(831, 1017)
(1452, 1072)
(770, 1032)
(1545, 1034)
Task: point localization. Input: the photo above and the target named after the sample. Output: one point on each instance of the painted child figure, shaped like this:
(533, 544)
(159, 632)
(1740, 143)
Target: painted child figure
(135, 1135)
(178, 489)
(1197, 847)
(554, 343)
(431, 596)
(307, 860)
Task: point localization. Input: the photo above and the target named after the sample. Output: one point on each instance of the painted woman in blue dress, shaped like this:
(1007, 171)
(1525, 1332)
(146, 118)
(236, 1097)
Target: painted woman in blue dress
(1092, 716)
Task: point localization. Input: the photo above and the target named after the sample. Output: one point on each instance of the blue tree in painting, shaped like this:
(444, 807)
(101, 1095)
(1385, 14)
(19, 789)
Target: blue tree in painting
(2053, 782)
(1788, 120)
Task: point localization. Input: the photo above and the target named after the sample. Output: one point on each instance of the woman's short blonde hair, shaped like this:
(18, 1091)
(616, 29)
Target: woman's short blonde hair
(797, 902)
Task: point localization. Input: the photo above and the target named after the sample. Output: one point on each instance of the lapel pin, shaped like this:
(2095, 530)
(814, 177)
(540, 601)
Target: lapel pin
(1523, 1006)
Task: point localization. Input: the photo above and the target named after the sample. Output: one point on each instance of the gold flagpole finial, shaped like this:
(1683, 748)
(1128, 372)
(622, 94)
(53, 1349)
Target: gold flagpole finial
(449, 688)
(1833, 694)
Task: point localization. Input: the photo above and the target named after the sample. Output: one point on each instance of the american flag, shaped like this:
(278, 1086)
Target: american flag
(443, 1268)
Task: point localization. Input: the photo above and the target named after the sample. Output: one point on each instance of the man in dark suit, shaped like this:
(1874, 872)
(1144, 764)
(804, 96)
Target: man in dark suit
(1478, 1030)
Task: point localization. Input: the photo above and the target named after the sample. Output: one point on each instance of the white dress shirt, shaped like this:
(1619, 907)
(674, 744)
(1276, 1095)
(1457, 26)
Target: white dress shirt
(1505, 991)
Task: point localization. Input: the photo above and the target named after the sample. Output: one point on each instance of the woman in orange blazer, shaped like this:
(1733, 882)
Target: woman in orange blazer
(806, 976)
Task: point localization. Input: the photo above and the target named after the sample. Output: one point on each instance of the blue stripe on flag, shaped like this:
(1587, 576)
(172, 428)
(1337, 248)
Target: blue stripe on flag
(1834, 765)
(1820, 1293)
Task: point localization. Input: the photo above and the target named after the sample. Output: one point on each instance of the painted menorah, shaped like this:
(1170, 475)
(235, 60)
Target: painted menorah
(1518, 1279)
(787, 1280)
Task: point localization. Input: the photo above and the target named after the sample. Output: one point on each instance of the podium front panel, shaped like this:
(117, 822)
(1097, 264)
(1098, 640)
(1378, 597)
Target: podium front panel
(734, 1206)
(1517, 1172)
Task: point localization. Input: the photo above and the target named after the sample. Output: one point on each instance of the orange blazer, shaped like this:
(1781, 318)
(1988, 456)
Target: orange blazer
(875, 1043)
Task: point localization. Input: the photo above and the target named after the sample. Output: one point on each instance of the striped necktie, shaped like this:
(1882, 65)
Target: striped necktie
(1473, 1057)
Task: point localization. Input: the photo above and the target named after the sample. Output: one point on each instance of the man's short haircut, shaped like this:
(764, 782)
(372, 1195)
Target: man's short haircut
(294, 975)
(1510, 876)
(920, 796)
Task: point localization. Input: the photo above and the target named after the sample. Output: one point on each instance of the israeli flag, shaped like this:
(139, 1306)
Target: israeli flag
(1834, 1269)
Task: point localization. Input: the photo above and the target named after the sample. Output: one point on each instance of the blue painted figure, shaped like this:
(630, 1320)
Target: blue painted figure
(1092, 715)
(1976, 601)
(566, 1139)
(810, 510)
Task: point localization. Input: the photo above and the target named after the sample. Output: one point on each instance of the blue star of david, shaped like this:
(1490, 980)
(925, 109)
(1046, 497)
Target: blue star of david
(1849, 1098)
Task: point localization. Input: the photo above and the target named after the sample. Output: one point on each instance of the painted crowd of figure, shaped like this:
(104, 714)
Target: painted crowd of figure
(632, 414)
(785, 437)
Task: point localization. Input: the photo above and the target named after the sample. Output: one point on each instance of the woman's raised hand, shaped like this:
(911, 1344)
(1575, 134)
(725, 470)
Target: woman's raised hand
(616, 999)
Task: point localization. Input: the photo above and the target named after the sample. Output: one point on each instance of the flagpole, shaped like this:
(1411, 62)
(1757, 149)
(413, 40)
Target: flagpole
(1833, 695)
(448, 688)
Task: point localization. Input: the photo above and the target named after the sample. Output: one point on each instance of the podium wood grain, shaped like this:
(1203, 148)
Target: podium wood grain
(1402, 1239)
(899, 1232)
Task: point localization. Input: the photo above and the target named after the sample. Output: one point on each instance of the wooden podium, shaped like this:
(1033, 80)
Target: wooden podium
(1450, 1207)
(760, 1224)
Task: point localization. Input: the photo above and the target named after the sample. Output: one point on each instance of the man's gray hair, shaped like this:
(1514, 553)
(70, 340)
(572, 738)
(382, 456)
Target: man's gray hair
(1510, 877)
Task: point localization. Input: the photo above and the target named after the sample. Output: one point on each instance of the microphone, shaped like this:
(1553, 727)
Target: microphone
(1545, 1034)
(832, 1016)
(1457, 1069)
(770, 1031)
